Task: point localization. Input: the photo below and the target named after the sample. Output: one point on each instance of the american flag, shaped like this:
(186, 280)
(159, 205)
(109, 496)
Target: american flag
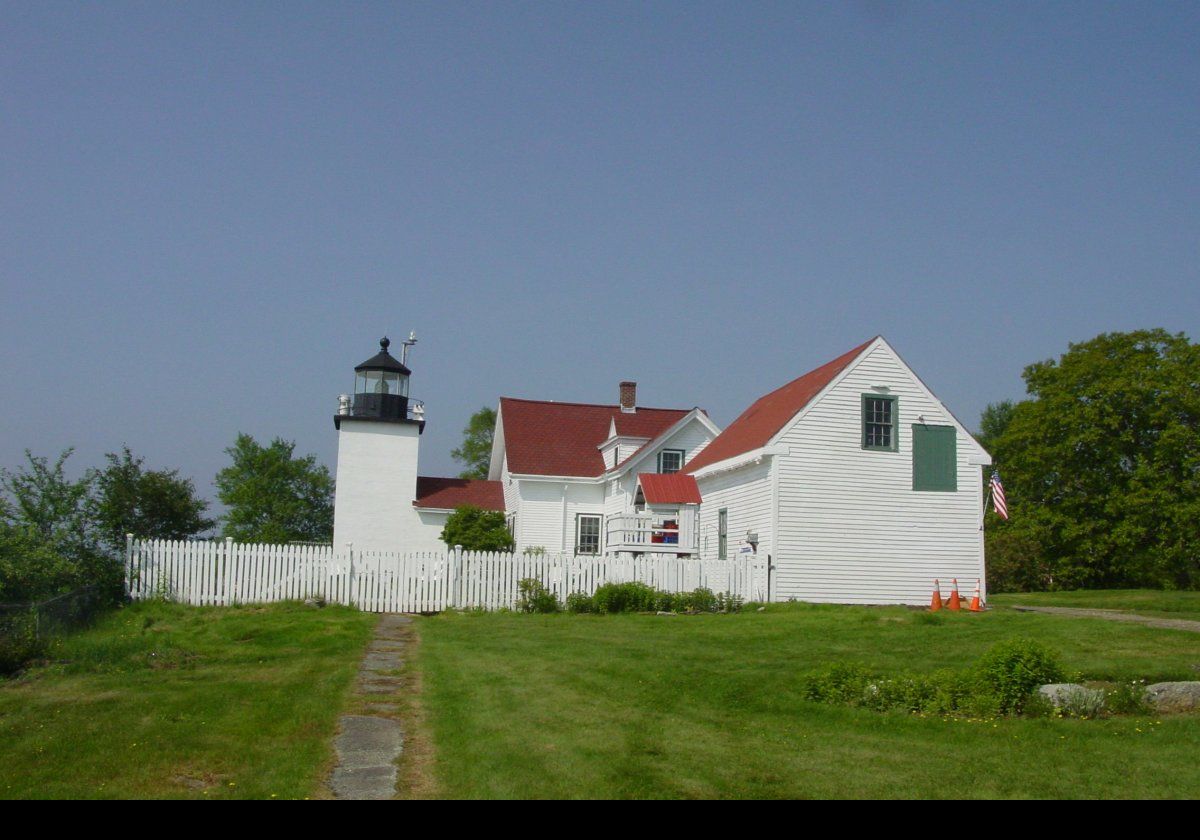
(999, 503)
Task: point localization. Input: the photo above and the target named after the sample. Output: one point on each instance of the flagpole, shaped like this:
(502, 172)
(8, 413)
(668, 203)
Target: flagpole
(986, 499)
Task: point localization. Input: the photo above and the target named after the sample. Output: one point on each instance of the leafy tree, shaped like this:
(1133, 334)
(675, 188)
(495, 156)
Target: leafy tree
(48, 539)
(30, 568)
(155, 504)
(273, 496)
(993, 422)
(476, 449)
(43, 500)
(476, 529)
(1102, 465)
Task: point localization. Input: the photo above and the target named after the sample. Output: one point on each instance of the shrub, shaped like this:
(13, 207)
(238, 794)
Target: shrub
(477, 530)
(839, 683)
(536, 598)
(1128, 698)
(578, 603)
(625, 597)
(1082, 702)
(639, 597)
(1013, 669)
(19, 642)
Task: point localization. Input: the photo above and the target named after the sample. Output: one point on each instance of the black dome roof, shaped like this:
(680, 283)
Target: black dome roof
(383, 360)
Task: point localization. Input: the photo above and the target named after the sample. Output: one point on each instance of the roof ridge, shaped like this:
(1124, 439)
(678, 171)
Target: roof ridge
(615, 406)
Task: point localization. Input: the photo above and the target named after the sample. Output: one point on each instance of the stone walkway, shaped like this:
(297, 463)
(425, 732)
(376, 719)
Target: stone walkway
(368, 745)
(1117, 615)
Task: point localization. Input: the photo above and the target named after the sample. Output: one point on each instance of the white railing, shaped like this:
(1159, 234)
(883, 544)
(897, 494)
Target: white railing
(226, 573)
(651, 532)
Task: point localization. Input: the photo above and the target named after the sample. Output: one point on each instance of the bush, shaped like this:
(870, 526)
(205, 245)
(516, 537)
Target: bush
(1013, 669)
(476, 529)
(19, 642)
(536, 598)
(1001, 683)
(578, 603)
(639, 597)
(1128, 698)
(626, 597)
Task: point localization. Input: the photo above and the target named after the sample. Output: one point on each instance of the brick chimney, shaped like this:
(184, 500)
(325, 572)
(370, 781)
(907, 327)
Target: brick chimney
(629, 397)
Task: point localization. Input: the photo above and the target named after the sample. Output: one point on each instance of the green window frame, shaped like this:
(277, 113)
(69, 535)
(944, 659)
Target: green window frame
(722, 533)
(934, 458)
(880, 423)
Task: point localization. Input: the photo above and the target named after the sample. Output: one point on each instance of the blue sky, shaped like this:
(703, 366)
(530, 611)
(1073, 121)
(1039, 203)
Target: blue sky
(212, 211)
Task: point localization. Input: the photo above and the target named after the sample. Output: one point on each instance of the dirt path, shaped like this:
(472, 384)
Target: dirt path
(369, 743)
(1117, 615)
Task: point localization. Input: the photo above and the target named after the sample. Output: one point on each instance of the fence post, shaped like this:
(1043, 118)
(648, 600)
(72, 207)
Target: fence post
(454, 599)
(350, 582)
(769, 578)
(226, 577)
(129, 566)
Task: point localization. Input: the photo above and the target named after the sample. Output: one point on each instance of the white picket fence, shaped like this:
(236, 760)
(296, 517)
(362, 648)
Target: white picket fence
(225, 573)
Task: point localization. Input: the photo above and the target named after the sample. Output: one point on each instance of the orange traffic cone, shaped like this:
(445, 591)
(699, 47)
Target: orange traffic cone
(954, 603)
(976, 602)
(935, 603)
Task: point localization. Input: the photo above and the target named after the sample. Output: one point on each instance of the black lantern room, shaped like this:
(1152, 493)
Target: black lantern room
(381, 386)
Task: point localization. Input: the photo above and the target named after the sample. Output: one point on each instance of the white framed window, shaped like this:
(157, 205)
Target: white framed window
(670, 460)
(587, 533)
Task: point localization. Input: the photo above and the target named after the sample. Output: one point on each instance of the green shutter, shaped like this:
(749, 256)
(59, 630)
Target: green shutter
(935, 458)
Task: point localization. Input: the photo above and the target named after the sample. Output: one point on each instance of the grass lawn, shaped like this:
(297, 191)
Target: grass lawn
(1184, 605)
(161, 700)
(709, 706)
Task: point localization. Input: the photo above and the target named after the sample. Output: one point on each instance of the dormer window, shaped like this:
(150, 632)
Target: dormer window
(670, 460)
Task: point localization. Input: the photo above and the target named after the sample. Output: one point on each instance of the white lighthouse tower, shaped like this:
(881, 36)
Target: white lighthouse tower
(379, 435)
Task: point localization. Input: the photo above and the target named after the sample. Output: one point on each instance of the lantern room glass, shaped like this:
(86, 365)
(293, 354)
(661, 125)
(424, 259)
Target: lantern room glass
(381, 382)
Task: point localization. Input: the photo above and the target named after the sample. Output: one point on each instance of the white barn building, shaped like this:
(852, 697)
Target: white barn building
(855, 479)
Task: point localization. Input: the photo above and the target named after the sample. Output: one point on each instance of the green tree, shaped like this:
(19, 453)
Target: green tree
(41, 498)
(1102, 465)
(153, 504)
(48, 537)
(476, 529)
(476, 449)
(30, 568)
(274, 497)
(993, 422)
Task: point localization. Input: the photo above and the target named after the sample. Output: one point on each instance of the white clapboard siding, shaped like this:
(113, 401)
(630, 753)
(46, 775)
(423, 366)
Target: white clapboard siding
(227, 573)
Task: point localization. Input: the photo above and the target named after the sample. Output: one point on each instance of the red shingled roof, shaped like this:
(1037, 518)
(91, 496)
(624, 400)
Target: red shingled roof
(669, 489)
(452, 492)
(551, 438)
(761, 421)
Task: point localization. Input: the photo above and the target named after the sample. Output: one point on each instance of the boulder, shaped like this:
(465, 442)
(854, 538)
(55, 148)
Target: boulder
(1073, 697)
(1174, 696)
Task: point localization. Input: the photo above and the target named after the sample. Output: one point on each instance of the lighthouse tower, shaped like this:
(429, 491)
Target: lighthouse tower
(379, 435)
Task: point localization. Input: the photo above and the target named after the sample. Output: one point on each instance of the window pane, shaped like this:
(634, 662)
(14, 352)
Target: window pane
(587, 534)
(879, 422)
